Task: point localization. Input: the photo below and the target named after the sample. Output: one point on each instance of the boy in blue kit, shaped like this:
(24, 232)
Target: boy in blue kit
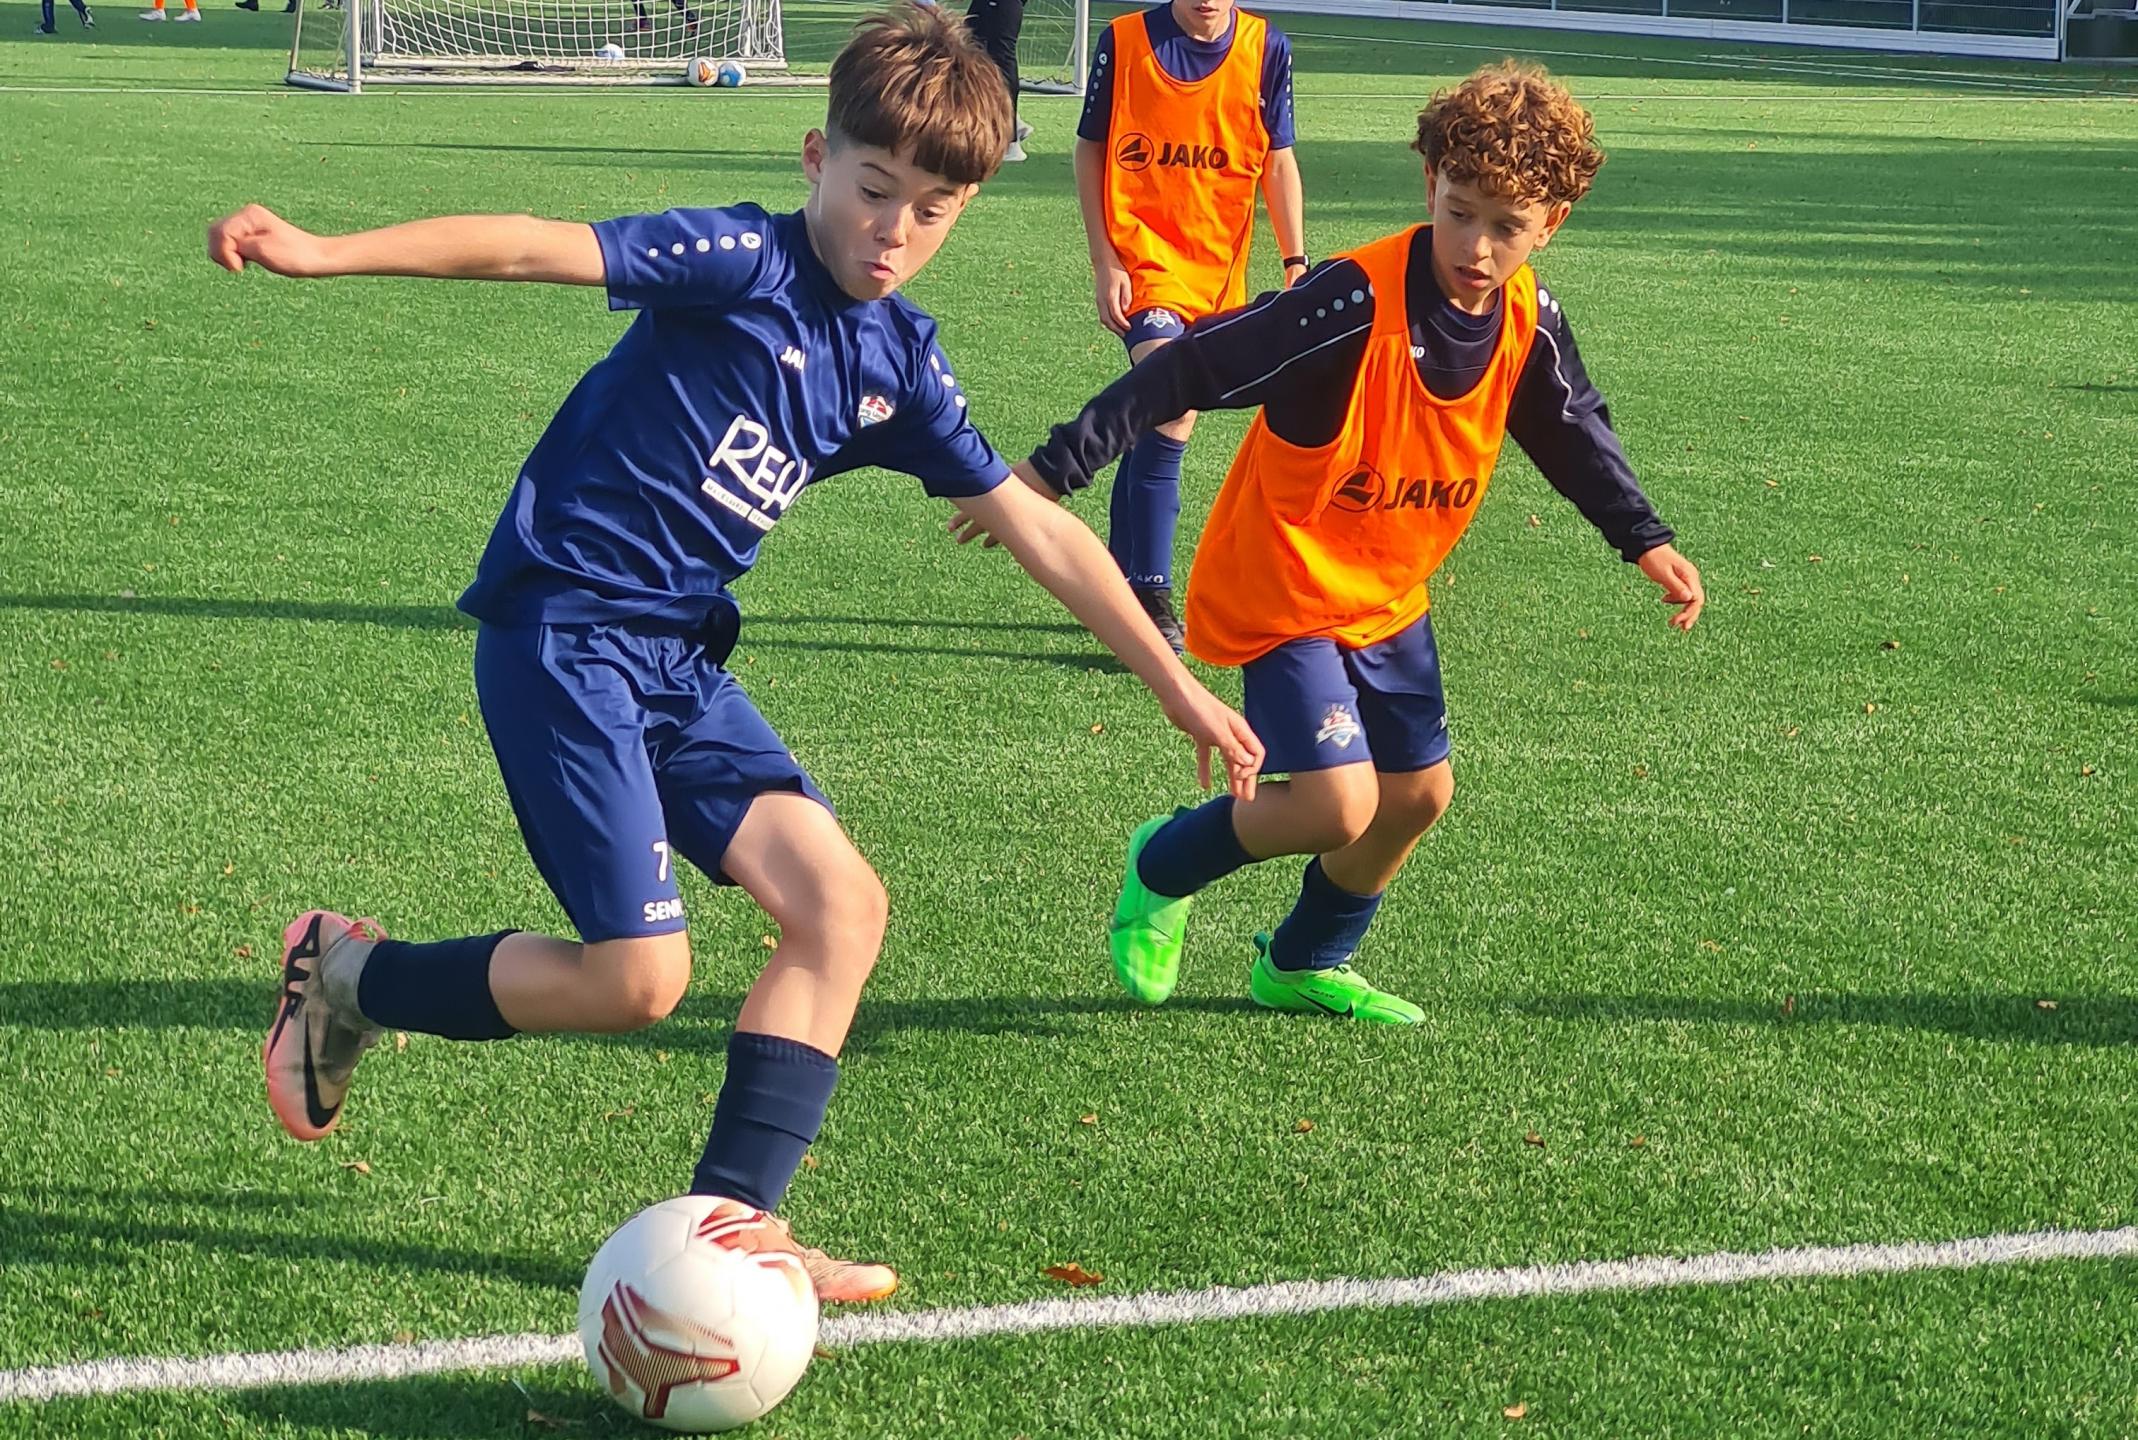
(770, 351)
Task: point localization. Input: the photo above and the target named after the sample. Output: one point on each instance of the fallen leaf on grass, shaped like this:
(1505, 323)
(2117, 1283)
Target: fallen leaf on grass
(1073, 1274)
(404, 1337)
(243, 952)
(1301, 1127)
(627, 1111)
(400, 1041)
(1789, 1004)
(1097, 729)
(1533, 1138)
(810, 1162)
(1091, 1119)
(1517, 1410)
(1637, 1142)
(361, 1167)
(2045, 1004)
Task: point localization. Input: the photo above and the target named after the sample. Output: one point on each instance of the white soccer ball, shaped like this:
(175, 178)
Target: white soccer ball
(730, 74)
(686, 1326)
(610, 51)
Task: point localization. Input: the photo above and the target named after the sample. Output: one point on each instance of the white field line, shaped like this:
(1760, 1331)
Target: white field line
(1304, 1297)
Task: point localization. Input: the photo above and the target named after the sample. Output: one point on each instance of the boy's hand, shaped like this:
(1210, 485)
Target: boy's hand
(257, 235)
(1680, 580)
(1213, 725)
(1111, 289)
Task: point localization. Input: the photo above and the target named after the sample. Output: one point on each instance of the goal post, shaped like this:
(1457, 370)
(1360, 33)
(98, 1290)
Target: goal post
(348, 44)
(1054, 47)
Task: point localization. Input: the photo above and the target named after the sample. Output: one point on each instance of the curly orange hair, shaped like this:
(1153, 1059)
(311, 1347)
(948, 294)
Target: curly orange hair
(1514, 133)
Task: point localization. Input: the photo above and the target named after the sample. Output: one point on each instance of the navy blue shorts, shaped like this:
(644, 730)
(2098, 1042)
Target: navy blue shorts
(1317, 705)
(1153, 323)
(623, 749)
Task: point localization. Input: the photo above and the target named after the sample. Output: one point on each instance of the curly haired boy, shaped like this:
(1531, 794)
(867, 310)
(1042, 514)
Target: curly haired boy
(1386, 381)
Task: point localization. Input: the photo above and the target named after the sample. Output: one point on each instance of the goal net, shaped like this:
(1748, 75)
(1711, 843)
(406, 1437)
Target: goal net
(1053, 48)
(343, 44)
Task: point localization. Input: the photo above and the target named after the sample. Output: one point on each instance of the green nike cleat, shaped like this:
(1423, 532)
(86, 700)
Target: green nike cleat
(1340, 991)
(1148, 930)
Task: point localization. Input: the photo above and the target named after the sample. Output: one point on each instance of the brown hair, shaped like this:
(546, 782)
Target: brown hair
(1514, 133)
(912, 81)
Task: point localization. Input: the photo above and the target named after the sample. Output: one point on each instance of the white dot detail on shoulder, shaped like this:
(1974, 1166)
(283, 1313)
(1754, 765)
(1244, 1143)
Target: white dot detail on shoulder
(1358, 297)
(676, 249)
(704, 245)
(751, 240)
(653, 252)
(1321, 312)
(961, 402)
(1302, 322)
(727, 242)
(1336, 304)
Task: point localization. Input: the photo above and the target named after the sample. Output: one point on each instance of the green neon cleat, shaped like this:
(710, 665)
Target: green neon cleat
(1339, 991)
(1148, 930)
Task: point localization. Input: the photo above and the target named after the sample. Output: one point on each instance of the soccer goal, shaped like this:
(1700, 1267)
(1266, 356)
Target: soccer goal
(347, 44)
(1054, 47)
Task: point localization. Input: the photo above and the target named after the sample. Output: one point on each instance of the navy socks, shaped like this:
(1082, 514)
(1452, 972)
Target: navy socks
(1325, 926)
(441, 987)
(1193, 849)
(771, 1107)
(1145, 510)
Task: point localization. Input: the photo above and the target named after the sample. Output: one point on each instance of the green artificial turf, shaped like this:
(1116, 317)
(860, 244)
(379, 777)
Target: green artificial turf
(1829, 903)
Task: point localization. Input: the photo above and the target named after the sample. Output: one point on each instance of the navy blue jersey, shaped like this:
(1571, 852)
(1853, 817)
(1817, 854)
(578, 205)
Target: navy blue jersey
(1188, 60)
(747, 375)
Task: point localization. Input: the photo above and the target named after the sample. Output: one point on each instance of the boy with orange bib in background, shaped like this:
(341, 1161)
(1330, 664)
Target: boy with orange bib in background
(1387, 379)
(1189, 109)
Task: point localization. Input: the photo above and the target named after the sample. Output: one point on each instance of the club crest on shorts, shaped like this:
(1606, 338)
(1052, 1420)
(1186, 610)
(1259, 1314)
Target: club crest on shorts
(1338, 727)
(874, 410)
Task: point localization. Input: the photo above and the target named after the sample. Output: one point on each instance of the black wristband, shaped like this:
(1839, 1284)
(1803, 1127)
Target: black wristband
(1299, 260)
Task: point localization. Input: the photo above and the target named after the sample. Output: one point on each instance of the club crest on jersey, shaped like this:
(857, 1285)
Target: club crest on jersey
(1339, 728)
(874, 410)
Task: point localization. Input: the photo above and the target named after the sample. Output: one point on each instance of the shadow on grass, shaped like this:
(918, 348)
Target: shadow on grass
(703, 1022)
(439, 617)
(705, 1018)
(2020, 1019)
(483, 1405)
(98, 1224)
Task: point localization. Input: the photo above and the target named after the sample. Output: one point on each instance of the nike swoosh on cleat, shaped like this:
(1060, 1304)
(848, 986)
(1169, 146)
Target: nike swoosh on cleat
(312, 1110)
(1325, 1009)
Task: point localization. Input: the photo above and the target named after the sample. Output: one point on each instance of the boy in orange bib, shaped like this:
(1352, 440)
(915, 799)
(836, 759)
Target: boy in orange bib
(1386, 380)
(1189, 110)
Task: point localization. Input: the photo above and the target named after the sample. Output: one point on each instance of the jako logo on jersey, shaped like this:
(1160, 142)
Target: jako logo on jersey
(792, 356)
(1365, 490)
(1338, 726)
(1193, 157)
(659, 910)
(875, 410)
(1135, 153)
(752, 461)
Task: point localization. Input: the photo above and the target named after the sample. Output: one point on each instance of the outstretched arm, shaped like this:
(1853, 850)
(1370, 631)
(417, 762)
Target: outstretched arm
(1057, 550)
(453, 247)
